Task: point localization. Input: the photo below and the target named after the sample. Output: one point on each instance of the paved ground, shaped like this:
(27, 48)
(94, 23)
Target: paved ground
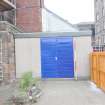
(6, 91)
(66, 92)
(71, 93)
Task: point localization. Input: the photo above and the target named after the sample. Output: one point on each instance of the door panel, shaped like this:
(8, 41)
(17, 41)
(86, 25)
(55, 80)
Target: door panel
(65, 55)
(48, 61)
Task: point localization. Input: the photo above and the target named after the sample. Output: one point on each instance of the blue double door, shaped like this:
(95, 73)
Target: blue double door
(57, 59)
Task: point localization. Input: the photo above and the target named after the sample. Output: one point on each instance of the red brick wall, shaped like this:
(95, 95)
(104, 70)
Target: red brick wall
(29, 16)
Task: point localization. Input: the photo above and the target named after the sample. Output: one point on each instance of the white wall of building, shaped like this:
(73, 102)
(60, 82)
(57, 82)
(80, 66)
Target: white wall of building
(82, 50)
(28, 56)
(53, 23)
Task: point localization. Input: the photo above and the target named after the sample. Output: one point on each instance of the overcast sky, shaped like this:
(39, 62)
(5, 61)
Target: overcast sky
(74, 11)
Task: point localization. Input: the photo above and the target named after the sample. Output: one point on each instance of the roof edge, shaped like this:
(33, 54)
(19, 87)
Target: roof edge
(53, 34)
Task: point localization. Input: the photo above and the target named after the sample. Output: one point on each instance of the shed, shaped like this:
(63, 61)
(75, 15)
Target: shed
(53, 55)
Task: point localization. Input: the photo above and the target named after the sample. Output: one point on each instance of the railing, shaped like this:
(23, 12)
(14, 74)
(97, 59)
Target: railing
(12, 1)
(8, 16)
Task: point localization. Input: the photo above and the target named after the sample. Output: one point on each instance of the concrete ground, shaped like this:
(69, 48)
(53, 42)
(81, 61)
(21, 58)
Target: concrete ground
(69, 92)
(63, 92)
(6, 91)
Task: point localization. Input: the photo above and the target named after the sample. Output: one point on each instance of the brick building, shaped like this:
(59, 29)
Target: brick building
(29, 15)
(100, 24)
(7, 48)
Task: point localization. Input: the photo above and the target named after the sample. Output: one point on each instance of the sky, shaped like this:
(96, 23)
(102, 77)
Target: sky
(74, 11)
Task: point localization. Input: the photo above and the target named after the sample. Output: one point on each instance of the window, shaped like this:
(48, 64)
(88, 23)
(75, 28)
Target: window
(0, 51)
(97, 17)
(104, 39)
(104, 25)
(1, 73)
(102, 11)
(1, 69)
(98, 28)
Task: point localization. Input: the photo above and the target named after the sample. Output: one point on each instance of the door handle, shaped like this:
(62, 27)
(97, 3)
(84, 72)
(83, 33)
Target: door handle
(56, 58)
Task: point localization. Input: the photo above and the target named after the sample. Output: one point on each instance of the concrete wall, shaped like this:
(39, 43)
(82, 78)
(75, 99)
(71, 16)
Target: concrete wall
(53, 23)
(28, 56)
(82, 50)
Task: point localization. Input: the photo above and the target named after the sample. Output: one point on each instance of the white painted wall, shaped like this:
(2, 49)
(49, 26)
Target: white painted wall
(28, 56)
(52, 23)
(83, 48)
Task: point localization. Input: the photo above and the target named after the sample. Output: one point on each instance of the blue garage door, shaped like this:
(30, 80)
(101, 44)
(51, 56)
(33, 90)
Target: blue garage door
(57, 58)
